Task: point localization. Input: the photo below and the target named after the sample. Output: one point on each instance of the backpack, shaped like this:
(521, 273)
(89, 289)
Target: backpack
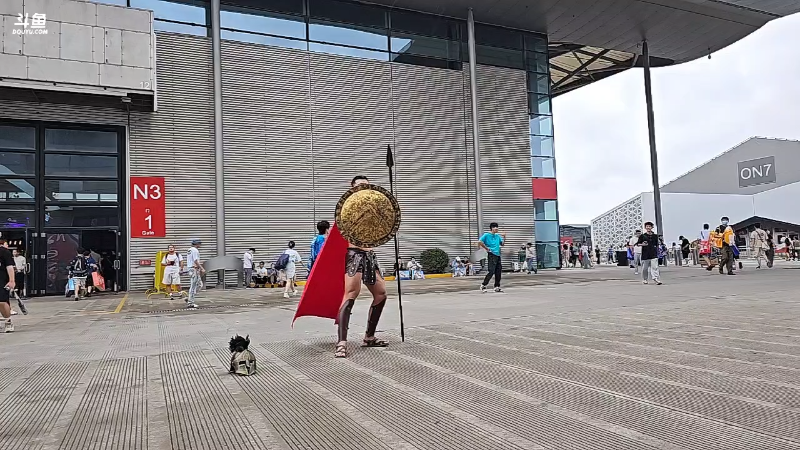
(79, 266)
(282, 261)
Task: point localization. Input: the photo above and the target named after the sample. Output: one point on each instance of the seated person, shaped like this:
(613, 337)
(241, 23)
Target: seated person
(272, 274)
(469, 267)
(459, 270)
(260, 276)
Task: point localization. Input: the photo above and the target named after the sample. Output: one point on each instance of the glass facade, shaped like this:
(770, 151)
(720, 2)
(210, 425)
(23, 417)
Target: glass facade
(543, 163)
(61, 188)
(355, 29)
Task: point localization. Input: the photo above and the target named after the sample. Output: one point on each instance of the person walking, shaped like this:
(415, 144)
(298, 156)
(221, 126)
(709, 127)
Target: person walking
(648, 242)
(20, 269)
(686, 247)
(196, 272)
(796, 249)
(637, 251)
(530, 258)
(726, 246)
(759, 245)
(492, 241)
(770, 250)
(7, 286)
(247, 266)
(290, 271)
(586, 256)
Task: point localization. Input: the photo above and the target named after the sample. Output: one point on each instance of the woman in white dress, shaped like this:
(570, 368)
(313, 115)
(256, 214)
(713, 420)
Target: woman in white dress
(172, 263)
(290, 272)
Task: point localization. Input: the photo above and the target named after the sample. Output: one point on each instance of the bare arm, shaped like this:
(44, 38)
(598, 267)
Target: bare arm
(11, 283)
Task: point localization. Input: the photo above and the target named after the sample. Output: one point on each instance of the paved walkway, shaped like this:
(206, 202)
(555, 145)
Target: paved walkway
(597, 361)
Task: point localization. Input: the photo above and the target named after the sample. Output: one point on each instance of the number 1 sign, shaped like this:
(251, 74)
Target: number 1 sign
(148, 216)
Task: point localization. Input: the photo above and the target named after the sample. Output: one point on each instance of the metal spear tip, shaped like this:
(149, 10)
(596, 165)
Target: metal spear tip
(389, 156)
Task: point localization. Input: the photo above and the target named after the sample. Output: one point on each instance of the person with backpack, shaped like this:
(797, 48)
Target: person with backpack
(287, 264)
(78, 271)
(91, 268)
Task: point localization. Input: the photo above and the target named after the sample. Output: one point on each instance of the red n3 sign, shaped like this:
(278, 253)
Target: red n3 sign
(148, 217)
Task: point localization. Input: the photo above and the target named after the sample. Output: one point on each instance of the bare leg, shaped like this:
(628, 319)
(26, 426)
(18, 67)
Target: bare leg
(352, 287)
(5, 310)
(378, 291)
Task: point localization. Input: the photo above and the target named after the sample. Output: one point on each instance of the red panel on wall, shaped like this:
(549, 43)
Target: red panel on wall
(545, 189)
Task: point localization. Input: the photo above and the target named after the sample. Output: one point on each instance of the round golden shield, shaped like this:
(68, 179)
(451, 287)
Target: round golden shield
(368, 215)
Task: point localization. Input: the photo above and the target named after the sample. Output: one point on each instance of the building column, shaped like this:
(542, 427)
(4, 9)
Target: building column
(473, 89)
(651, 127)
(218, 153)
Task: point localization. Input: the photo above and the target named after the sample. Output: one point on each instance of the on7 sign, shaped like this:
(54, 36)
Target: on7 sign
(148, 216)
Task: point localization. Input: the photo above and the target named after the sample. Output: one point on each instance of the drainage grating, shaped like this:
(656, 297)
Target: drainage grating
(300, 416)
(202, 414)
(29, 414)
(530, 419)
(784, 423)
(661, 423)
(415, 421)
(690, 358)
(112, 413)
(614, 359)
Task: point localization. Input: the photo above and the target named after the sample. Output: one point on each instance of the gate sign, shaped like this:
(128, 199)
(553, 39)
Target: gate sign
(148, 217)
(757, 171)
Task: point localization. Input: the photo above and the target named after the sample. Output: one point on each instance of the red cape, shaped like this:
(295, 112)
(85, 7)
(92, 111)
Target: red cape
(324, 290)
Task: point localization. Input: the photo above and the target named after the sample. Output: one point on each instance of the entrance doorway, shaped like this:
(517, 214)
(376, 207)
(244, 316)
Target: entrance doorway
(62, 246)
(60, 191)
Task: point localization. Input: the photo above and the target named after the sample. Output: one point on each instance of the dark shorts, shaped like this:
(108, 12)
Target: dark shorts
(363, 262)
(5, 296)
(89, 280)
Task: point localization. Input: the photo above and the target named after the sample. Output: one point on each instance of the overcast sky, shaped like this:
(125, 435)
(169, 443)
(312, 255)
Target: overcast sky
(702, 108)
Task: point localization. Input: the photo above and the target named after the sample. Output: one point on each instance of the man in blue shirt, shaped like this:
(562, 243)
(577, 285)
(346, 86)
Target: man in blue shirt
(491, 242)
(323, 228)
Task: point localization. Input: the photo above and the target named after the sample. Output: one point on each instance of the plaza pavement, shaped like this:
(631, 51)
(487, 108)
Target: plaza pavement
(574, 359)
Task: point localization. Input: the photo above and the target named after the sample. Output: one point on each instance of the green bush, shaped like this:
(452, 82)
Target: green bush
(434, 261)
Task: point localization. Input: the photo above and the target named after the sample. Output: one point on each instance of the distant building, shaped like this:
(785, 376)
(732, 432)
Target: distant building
(576, 233)
(757, 181)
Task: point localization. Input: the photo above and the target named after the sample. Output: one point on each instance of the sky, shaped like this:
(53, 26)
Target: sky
(702, 108)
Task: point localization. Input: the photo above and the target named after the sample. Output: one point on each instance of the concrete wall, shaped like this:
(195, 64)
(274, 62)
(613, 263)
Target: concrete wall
(83, 46)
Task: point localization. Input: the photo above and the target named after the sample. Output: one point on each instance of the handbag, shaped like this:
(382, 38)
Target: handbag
(98, 281)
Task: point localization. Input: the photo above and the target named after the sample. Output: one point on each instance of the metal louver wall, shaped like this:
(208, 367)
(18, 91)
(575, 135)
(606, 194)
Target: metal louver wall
(177, 142)
(505, 154)
(267, 144)
(432, 161)
(299, 125)
(352, 123)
